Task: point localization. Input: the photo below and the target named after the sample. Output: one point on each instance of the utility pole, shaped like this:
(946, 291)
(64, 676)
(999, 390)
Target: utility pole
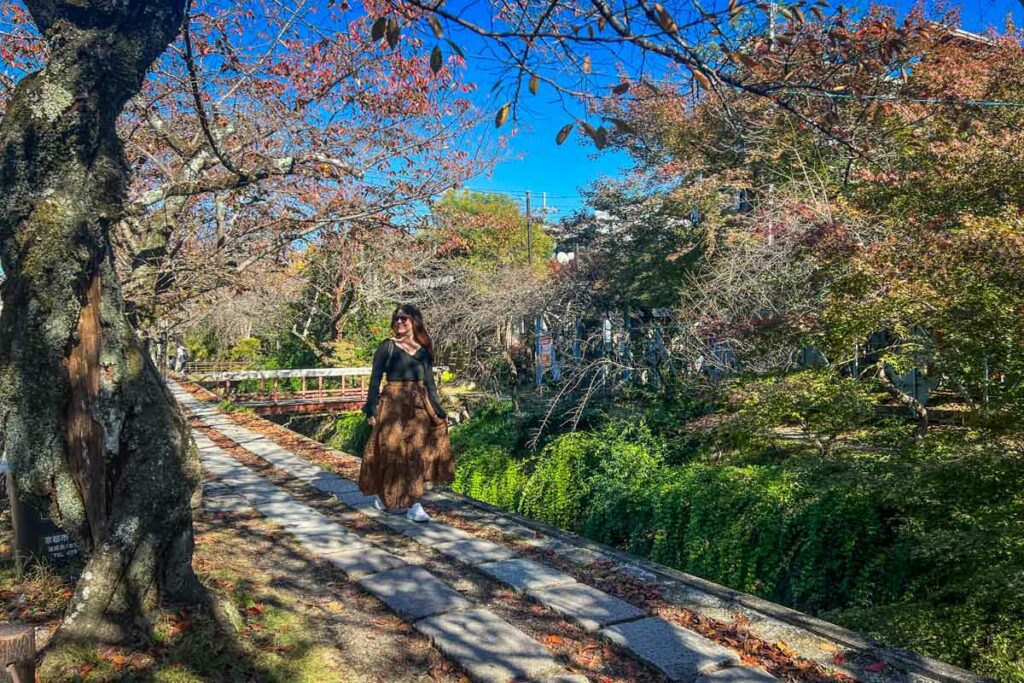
(771, 25)
(529, 233)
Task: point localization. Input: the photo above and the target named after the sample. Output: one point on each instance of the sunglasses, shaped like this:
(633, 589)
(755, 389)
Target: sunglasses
(400, 319)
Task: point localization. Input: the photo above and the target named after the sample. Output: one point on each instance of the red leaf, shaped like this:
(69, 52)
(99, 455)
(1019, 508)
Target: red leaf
(875, 668)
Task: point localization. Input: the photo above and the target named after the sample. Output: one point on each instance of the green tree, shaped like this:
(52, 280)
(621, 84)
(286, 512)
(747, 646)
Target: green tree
(488, 231)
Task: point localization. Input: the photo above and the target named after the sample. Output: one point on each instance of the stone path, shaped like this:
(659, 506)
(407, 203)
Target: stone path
(487, 647)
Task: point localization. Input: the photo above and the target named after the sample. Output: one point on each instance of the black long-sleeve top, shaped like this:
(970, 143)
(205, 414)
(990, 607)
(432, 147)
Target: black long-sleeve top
(402, 366)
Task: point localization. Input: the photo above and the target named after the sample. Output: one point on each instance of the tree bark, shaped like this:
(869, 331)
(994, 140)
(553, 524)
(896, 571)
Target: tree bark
(89, 429)
(919, 410)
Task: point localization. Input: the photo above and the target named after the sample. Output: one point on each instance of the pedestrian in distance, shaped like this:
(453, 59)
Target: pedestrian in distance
(409, 449)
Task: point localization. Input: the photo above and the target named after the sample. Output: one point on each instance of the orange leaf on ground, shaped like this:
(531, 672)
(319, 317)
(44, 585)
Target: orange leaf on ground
(554, 640)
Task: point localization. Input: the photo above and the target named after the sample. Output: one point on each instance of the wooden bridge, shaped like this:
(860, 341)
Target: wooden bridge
(278, 392)
(284, 392)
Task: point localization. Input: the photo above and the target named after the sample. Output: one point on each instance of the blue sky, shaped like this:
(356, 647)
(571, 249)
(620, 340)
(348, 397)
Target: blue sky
(535, 163)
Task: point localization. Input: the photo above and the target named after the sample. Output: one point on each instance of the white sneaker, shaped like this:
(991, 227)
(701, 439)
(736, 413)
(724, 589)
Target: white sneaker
(417, 514)
(379, 505)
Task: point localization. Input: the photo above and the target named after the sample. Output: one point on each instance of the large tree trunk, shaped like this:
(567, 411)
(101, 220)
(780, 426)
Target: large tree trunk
(90, 431)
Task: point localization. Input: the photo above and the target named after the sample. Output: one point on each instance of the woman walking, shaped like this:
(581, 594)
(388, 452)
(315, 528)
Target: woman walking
(408, 447)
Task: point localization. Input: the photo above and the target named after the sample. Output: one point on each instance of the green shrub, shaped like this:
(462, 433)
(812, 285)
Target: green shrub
(493, 424)
(248, 350)
(558, 488)
(489, 473)
(623, 487)
(350, 434)
(921, 544)
(820, 403)
(485, 465)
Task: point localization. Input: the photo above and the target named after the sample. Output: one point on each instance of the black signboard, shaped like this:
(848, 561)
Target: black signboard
(38, 538)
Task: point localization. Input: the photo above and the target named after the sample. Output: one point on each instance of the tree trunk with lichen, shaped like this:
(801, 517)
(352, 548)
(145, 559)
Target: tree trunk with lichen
(91, 433)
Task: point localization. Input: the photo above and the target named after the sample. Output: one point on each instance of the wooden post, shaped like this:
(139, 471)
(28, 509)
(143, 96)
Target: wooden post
(274, 395)
(18, 652)
(320, 387)
(303, 392)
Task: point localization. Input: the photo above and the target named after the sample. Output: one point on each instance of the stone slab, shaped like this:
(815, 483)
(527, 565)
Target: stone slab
(679, 653)
(425, 533)
(737, 674)
(413, 592)
(309, 522)
(474, 551)
(587, 606)
(225, 503)
(510, 528)
(490, 649)
(288, 513)
(522, 575)
(330, 543)
(263, 494)
(363, 504)
(334, 484)
(359, 563)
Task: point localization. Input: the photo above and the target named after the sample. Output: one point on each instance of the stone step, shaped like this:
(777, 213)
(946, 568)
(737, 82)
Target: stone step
(413, 592)
(680, 654)
(474, 551)
(590, 608)
(490, 649)
(429, 534)
(359, 563)
(522, 575)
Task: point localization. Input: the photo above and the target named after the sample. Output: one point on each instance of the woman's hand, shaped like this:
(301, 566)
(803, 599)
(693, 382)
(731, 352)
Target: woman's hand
(372, 421)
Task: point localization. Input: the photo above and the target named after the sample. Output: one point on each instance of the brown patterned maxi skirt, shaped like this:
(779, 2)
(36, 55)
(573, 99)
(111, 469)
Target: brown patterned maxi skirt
(408, 447)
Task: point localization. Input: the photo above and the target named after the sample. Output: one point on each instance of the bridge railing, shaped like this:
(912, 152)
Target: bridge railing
(344, 384)
(193, 367)
(347, 385)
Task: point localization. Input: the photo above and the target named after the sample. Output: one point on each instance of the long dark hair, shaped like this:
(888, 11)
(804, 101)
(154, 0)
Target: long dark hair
(419, 330)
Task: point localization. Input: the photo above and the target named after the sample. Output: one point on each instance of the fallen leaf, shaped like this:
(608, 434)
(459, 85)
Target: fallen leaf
(554, 639)
(875, 668)
(335, 606)
(839, 659)
(786, 649)
(827, 647)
